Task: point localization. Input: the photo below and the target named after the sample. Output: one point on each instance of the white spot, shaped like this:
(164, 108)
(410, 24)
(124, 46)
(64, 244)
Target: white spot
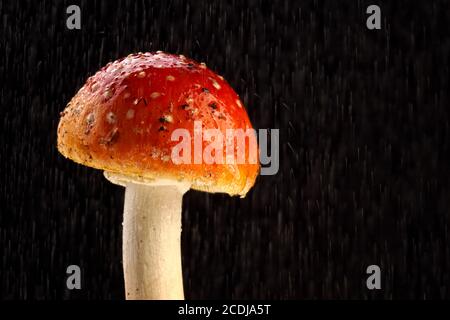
(182, 56)
(170, 78)
(193, 111)
(77, 109)
(141, 74)
(189, 100)
(111, 118)
(165, 158)
(90, 119)
(220, 77)
(107, 94)
(168, 118)
(95, 87)
(136, 101)
(155, 95)
(215, 84)
(130, 114)
(202, 65)
(155, 153)
(238, 102)
(159, 51)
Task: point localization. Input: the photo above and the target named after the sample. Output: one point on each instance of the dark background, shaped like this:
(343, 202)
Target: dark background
(364, 148)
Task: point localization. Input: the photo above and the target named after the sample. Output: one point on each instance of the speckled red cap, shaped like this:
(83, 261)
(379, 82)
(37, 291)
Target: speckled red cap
(122, 119)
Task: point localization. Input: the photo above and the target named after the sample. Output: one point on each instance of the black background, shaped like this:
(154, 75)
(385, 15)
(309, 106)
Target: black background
(364, 148)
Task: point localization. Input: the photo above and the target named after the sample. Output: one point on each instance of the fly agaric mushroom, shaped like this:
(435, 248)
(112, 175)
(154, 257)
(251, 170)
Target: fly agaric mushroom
(121, 122)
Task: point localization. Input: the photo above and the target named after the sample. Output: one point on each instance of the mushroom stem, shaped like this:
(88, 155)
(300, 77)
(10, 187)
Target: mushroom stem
(151, 242)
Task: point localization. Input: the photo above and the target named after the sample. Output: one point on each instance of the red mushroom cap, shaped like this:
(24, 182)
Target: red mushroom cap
(122, 119)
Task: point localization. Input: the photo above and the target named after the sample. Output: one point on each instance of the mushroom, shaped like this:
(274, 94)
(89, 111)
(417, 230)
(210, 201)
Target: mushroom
(121, 121)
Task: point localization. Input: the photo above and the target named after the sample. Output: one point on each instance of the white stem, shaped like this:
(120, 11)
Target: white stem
(151, 241)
